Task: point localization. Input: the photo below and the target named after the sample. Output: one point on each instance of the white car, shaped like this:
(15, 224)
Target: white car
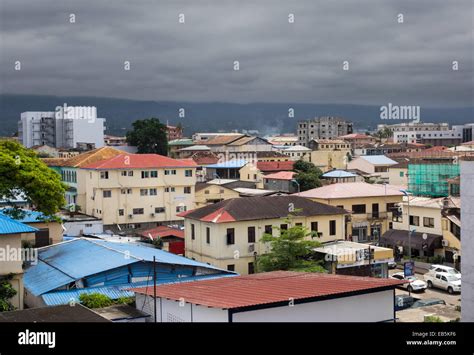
(447, 269)
(413, 284)
(443, 280)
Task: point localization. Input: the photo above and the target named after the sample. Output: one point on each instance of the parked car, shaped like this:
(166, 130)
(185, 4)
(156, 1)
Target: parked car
(392, 265)
(444, 281)
(413, 283)
(443, 268)
(427, 302)
(404, 301)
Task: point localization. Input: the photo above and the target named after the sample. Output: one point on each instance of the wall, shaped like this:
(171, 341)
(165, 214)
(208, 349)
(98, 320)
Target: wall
(394, 177)
(372, 307)
(330, 159)
(220, 254)
(74, 229)
(421, 212)
(216, 192)
(8, 242)
(467, 244)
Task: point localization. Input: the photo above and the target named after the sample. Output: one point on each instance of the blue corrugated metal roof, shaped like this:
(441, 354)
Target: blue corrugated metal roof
(115, 292)
(10, 226)
(378, 159)
(338, 174)
(231, 164)
(27, 216)
(63, 263)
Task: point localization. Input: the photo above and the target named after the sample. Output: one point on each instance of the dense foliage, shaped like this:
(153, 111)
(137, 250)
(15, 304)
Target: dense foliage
(307, 175)
(149, 136)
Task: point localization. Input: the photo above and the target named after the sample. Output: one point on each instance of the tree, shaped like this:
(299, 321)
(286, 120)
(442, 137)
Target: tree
(291, 250)
(21, 171)
(6, 293)
(149, 136)
(307, 175)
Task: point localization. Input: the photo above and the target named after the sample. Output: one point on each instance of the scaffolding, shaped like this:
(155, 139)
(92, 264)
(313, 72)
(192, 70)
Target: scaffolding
(431, 179)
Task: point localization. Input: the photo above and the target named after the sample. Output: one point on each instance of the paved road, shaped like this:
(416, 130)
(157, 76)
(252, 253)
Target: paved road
(454, 299)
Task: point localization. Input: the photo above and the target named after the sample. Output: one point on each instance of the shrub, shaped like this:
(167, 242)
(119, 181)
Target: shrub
(95, 300)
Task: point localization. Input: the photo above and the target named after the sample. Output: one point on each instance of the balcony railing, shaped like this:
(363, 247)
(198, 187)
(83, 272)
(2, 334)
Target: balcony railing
(377, 215)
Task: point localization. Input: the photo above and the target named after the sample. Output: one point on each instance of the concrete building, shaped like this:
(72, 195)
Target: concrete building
(12, 233)
(326, 127)
(278, 296)
(398, 174)
(283, 181)
(329, 154)
(216, 233)
(297, 152)
(62, 129)
(467, 244)
(136, 190)
(341, 176)
(377, 166)
(372, 207)
(207, 194)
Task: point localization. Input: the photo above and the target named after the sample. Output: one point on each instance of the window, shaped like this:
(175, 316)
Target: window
(154, 174)
(284, 227)
(138, 211)
(332, 227)
(170, 189)
(231, 267)
(145, 174)
(251, 234)
(251, 268)
(121, 212)
(187, 189)
(358, 209)
(143, 192)
(188, 173)
(160, 210)
(428, 222)
(130, 173)
(180, 209)
(104, 174)
(193, 231)
(123, 173)
(314, 226)
(402, 174)
(299, 224)
(170, 172)
(153, 192)
(230, 236)
(268, 229)
(414, 221)
(208, 235)
(206, 192)
(107, 193)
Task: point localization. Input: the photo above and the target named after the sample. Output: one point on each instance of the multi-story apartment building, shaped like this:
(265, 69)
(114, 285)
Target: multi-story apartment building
(136, 190)
(430, 133)
(376, 166)
(227, 234)
(82, 126)
(372, 206)
(325, 127)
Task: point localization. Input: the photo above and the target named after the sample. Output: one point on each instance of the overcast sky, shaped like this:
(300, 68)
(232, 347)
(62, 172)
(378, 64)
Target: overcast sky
(406, 64)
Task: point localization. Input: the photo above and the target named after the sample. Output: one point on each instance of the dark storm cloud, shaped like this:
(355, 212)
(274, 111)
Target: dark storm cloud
(407, 63)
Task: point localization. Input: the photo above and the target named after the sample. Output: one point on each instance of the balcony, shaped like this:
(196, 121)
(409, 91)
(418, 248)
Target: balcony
(377, 215)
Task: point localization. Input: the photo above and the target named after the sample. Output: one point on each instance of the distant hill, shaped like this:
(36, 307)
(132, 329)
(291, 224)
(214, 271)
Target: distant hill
(268, 118)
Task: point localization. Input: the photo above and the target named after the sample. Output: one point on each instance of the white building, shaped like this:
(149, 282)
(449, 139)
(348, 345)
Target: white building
(63, 128)
(467, 244)
(278, 296)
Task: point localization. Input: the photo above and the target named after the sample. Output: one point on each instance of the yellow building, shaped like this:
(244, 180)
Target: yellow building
(371, 206)
(227, 234)
(137, 190)
(329, 154)
(12, 255)
(438, 219)
(207, 194)
(398, 174)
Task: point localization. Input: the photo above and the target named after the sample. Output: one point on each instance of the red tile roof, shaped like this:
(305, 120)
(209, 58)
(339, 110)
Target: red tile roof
(275, 165)
(281, 175)
(268, 288)
(140, 161)
(257, 208)
(162, 232)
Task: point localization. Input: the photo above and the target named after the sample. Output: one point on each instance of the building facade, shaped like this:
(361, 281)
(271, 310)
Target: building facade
(62, 131)
(326, 127)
